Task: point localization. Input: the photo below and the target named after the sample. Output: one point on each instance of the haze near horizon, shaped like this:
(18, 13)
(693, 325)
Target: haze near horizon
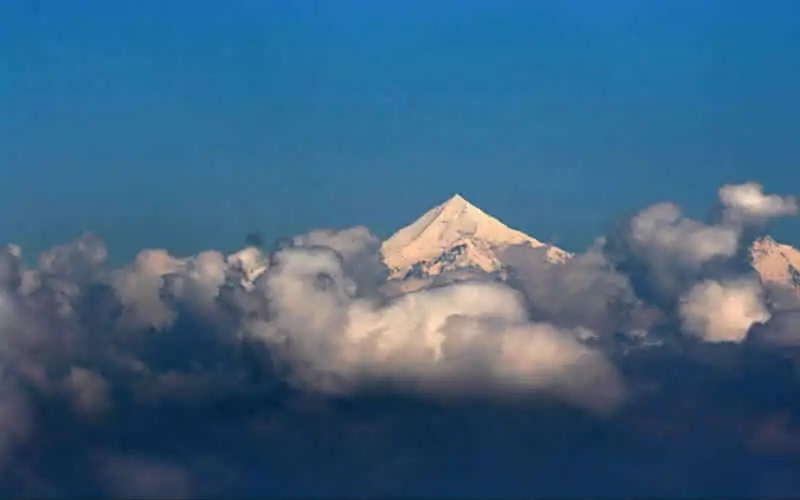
(157, 125)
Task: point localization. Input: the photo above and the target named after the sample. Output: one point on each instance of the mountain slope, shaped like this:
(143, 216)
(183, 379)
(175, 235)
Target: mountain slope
(454, 235)
(775, 262)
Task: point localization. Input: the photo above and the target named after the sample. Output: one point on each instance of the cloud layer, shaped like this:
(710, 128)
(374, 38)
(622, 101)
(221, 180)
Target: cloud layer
(217, 373)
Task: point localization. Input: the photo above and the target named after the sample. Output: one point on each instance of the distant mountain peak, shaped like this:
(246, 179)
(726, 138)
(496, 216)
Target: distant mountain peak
(775, 262)
(454, 235)
(457, 199)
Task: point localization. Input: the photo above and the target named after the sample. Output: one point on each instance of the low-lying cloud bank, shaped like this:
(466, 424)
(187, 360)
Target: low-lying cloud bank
(200, 375)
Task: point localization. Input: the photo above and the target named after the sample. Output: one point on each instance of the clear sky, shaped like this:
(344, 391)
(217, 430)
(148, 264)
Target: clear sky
(187, 124)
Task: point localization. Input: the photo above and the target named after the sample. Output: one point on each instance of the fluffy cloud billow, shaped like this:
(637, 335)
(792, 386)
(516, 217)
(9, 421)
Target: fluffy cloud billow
(748, 204)
(243, 374)
(723, 312)
(448, 338)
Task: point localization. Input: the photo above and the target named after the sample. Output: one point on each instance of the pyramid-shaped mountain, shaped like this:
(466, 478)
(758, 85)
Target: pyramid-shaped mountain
(455, 235)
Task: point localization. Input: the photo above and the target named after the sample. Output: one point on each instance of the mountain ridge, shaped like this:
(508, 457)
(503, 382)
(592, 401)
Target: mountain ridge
(457, 236)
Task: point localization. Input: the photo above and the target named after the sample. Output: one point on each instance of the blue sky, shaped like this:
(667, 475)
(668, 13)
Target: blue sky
(188, 124)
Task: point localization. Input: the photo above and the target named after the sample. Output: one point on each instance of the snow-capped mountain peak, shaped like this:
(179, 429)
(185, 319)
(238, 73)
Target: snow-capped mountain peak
(455, 235)
(775, 262)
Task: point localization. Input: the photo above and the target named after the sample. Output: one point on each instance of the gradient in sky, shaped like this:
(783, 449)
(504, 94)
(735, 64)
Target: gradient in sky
(188, 124)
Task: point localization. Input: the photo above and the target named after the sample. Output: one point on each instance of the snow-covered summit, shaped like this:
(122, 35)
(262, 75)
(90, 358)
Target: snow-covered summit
(776, 262)
(455, 235)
